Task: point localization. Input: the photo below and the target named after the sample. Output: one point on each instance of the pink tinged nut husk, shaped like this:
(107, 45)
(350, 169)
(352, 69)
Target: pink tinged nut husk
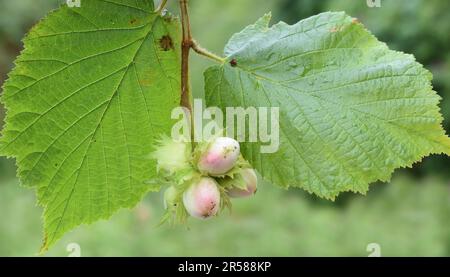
(220, 157)
(202, 199)
(249, 176)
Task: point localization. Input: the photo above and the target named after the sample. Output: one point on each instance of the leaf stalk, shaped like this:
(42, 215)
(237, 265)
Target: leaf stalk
(161, 6)
(204, 52)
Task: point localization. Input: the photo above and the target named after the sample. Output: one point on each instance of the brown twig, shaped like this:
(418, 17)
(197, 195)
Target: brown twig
(186, 45)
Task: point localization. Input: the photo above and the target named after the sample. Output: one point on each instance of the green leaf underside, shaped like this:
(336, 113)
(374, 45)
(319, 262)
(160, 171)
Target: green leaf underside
(90, 93)
(351, 110)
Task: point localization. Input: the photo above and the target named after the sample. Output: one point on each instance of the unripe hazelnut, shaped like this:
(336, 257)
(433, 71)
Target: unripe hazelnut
(220, 157)
(250, 179)
(202, 199)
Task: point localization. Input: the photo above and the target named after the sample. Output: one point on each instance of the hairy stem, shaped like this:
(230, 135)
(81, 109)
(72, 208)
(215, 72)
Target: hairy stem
(161, 6)
(186, 45)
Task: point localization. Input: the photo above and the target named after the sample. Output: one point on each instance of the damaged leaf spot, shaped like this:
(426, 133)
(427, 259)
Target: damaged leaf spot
(166, 43)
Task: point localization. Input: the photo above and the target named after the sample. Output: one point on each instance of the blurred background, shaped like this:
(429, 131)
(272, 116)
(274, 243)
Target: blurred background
(409, 216)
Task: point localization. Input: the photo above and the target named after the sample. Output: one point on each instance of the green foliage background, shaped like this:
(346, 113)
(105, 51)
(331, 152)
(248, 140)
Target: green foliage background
(408, 217)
